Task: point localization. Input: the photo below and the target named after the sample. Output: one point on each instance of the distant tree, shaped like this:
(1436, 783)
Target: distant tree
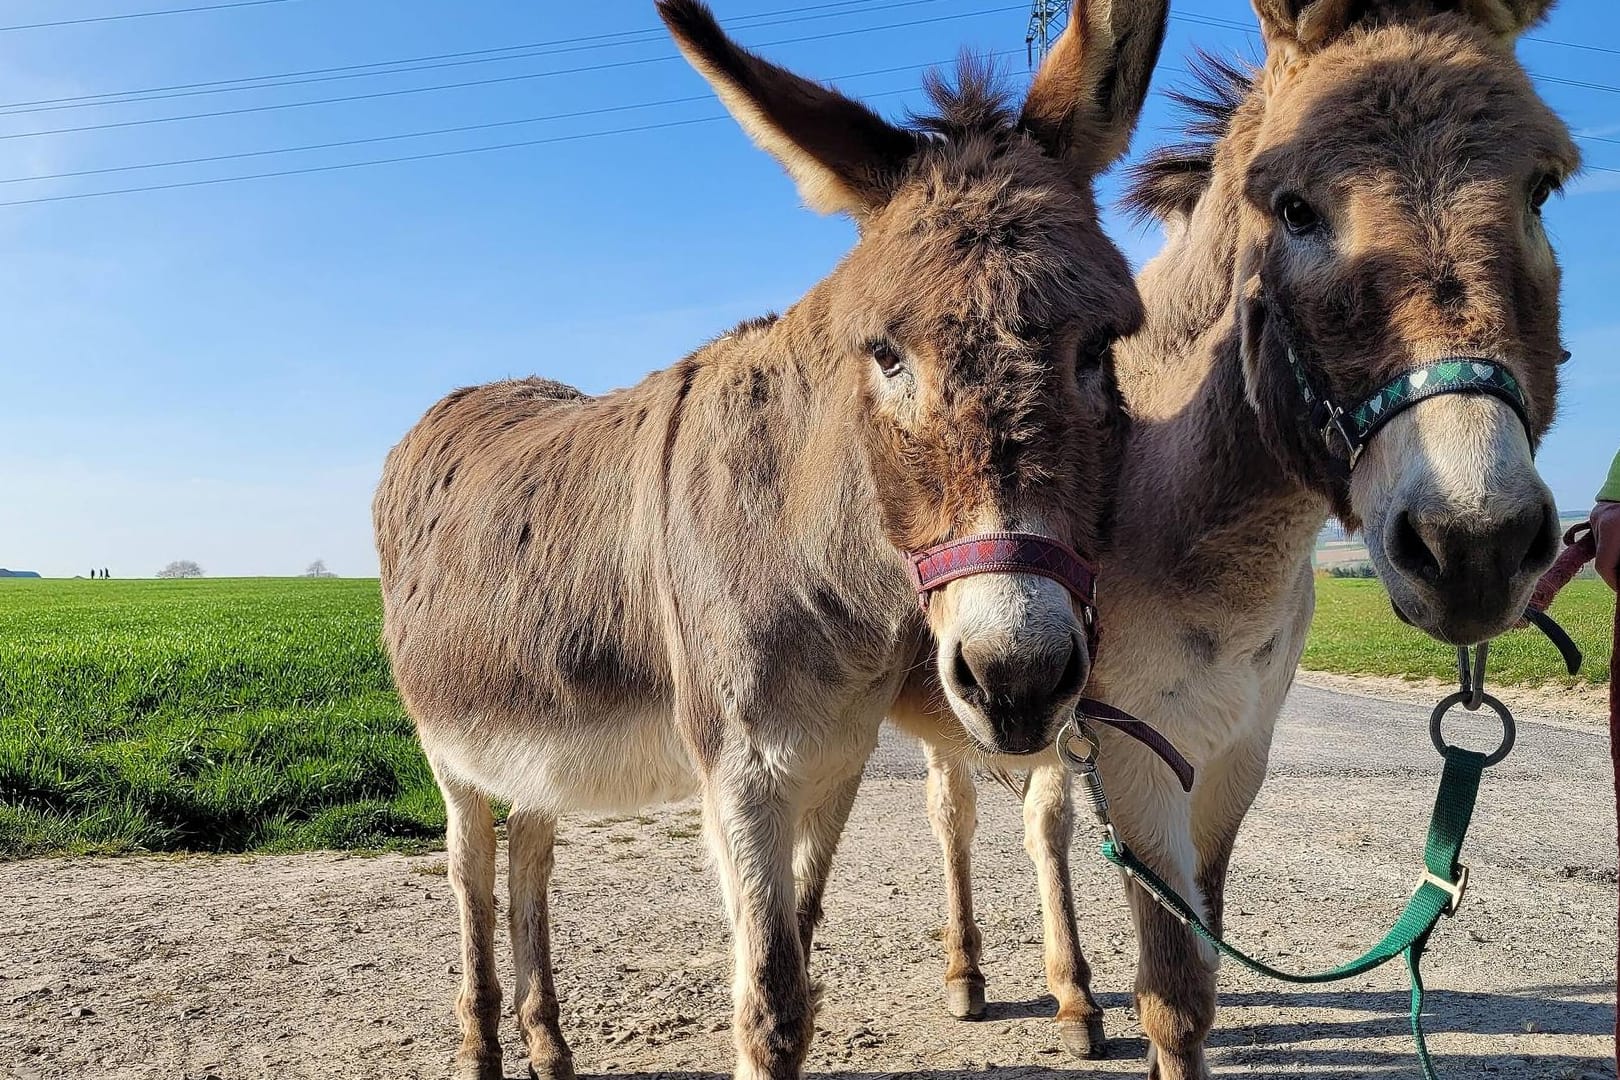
(181, 568)
(318, 569)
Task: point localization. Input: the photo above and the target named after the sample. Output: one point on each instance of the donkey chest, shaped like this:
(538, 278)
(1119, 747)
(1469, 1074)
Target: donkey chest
(1210, 678)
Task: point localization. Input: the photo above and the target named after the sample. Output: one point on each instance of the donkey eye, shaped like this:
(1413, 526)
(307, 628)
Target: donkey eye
(887, 358)
(1544, 189)
(1297, 215)
(1094, 350)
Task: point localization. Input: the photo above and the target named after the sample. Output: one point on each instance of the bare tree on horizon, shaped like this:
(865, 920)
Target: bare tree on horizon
(318, 569)
(181, 568)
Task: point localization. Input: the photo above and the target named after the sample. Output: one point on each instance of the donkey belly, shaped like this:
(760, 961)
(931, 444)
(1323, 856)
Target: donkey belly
(603, 765)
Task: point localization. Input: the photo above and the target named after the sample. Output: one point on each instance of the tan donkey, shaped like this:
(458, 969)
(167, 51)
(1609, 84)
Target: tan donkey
(700, 584)
(1357, 222)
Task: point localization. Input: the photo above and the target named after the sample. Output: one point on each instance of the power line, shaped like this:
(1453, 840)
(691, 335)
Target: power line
(1570, 44)
(371, 162)
(457, 130)
(1211, 20)
(423, 156)
(545, 48)
(474, 127)
(649, 35)
(375, 95)
(462, 129)
(1606, 88)
(140, 15)
(579, 136)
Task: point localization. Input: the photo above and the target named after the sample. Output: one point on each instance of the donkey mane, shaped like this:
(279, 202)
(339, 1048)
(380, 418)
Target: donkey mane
(976, 103)
(1173, 178)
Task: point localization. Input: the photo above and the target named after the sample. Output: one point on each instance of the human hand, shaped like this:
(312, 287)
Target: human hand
(1606, 531)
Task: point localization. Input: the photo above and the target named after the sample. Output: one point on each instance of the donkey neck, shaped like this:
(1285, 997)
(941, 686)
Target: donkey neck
(782, 424)
(1204, 502)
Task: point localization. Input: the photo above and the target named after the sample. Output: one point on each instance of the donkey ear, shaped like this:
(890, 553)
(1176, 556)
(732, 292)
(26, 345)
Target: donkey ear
(1295, 28)
(1085, 100)
(844, 157)
(1507, 19)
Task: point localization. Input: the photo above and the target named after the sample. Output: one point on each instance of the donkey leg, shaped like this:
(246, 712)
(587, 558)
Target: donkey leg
(820, 828)
(1175, 977)
(1225, 793)
(470, 841)
(953, 812)
(1048, 826)
(532, 839)
(749, 822)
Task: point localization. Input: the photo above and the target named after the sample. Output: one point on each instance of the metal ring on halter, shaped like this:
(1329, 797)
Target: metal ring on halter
(1510, 731)
(1075, 731)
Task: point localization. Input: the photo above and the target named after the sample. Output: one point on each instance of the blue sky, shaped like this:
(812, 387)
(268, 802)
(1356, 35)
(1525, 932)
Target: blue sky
(215, 372)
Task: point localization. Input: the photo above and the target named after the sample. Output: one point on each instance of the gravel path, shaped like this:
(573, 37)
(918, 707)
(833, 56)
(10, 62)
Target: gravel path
(326, 966)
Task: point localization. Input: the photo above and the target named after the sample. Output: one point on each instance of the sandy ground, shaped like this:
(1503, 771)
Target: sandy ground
(326, 966)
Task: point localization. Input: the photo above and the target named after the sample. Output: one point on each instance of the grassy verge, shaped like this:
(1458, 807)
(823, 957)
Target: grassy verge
(1356, 633)
(252, 715)
(258, 715)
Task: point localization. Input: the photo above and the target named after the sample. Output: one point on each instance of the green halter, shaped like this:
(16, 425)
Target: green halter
(1356, 426)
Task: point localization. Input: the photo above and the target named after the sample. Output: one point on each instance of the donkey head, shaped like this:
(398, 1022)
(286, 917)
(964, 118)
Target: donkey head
(970, 329)
(1394, 159)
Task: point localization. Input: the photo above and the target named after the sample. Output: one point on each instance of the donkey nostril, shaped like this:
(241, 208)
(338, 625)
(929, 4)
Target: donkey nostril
(1410, 551)
(1544, 545)
(1074, 673)
(967, 683)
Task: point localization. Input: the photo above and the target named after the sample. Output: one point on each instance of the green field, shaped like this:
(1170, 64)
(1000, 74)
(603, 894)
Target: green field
(1356, 633)
(257, 715)
(211, 715)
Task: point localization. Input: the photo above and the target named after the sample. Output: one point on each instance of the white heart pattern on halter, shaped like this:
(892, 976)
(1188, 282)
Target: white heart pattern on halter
(1481, 370)
(1417, 379)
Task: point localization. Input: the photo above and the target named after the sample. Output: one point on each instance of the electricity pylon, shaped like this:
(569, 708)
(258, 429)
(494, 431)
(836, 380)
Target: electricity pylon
(1046, 20)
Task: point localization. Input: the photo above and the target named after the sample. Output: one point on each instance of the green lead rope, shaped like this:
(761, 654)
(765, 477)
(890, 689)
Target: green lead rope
(1437, 896)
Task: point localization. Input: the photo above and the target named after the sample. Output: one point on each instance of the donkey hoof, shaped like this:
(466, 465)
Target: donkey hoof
(1084, 1038)
(964, 998)
(478, 1067)
(1162, 1066)
(560, 1068)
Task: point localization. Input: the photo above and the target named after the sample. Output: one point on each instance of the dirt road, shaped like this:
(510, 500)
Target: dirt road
(342, 967)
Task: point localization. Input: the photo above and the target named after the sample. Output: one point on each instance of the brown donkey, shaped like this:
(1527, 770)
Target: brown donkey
(1365, 205)
(700, 585)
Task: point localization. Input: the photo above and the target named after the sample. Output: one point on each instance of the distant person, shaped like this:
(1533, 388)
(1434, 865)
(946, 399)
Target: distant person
(1606, 527)
(106, 575)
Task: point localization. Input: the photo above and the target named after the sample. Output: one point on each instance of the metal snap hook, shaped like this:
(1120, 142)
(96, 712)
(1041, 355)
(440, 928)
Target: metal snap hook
(1471, 677)
(1510, 731)
(1077, 747)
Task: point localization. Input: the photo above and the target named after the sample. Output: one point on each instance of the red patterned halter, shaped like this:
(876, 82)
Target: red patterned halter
(1007, 553)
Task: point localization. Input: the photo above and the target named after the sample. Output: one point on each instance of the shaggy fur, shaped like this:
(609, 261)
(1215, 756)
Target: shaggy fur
(698, 584)
(1418, 143)
(1171, 179)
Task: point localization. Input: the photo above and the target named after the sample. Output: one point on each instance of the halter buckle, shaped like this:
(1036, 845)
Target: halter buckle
(1335, 426)
(1453, 889)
